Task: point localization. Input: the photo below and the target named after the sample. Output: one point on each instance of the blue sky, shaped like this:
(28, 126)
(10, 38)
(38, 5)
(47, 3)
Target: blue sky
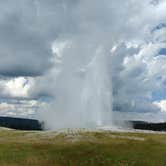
(162, 51)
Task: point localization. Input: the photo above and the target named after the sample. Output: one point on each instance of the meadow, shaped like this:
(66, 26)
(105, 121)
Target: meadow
(81, 148)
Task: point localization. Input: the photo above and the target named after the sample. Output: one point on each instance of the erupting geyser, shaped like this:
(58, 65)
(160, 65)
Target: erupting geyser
(96, 98)
(83, 94)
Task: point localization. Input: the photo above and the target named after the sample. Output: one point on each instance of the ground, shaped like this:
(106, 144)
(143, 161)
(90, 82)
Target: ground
(81, 147)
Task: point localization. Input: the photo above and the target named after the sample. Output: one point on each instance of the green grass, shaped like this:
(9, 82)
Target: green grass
(81, 149)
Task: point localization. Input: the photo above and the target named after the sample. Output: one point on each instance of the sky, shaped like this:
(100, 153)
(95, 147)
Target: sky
(35, 35)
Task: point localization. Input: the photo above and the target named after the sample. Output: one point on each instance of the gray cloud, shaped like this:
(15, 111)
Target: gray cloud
(136, 75)
(24, 48)
(28, 28)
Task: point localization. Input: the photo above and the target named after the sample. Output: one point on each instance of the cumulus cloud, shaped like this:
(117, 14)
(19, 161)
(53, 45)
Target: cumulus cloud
(23, 108)
(161, 104)
(43, 42)
(137, 75)
(15, 87)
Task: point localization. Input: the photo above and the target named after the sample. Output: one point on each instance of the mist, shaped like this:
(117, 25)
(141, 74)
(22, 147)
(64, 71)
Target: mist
(100, 63)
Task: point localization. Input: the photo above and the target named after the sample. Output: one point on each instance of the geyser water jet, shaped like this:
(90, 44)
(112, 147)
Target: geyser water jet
(83, 90)
(96, 97)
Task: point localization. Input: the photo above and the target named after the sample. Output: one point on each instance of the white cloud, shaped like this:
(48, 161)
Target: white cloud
(16, 87)
(21, 108)
(161, 104)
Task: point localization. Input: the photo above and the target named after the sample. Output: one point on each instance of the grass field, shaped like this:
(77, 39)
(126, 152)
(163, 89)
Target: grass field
(81, 148)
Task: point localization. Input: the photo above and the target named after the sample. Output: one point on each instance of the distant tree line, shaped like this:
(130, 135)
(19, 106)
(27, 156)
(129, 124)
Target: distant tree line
(20, 123)
(148, 126)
